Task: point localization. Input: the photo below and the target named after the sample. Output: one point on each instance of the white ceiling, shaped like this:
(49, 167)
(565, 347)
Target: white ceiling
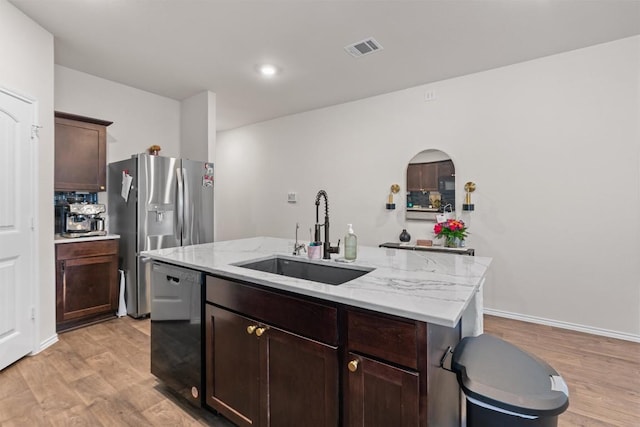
(178, 48)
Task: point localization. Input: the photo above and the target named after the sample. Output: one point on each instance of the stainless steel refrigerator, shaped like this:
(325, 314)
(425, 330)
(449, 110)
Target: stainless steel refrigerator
(156, 202)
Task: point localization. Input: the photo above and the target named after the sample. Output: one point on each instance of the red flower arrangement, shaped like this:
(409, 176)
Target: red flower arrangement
(451, 230)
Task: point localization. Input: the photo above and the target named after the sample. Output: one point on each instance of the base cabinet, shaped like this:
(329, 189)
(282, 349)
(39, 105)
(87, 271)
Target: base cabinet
(385, 370)
(86, 282)
(233, 366)
(380, 394)
(273, 359)
(260, 374)
(302, 381)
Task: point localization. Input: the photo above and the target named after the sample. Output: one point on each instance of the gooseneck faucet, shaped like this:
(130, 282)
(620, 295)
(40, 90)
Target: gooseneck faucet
(327, 249)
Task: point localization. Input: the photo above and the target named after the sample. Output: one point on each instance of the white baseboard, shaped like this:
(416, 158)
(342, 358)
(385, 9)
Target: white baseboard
(45, 344)
(564, 325)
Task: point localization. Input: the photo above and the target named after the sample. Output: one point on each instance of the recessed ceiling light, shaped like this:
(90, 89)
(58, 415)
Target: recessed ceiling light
(268, 70)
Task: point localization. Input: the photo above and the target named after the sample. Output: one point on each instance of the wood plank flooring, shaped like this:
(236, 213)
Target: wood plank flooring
(99, 376)
(603, 374)
(94, 376)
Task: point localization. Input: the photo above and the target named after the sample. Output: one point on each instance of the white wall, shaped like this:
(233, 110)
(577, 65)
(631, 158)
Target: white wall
(140, 119)
(26, 67)
(552, 144)
(198, 127)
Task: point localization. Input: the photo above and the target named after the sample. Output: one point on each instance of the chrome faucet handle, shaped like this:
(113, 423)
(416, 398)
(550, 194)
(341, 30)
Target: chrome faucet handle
(298, 247)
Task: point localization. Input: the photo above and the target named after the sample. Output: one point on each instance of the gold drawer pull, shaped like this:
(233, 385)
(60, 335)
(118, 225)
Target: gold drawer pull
(251, 328)
(260, 331)
(353, 365)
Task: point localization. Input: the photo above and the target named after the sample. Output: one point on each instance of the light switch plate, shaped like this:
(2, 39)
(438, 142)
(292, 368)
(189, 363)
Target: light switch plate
(292, 197)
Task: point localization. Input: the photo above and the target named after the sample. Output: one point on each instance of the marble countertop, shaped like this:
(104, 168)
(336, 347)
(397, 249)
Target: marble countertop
(57, 239)
(426, 286)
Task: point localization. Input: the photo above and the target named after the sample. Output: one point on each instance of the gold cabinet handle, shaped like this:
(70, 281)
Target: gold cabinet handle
(251, 328)
(260, 331)
(353, 365)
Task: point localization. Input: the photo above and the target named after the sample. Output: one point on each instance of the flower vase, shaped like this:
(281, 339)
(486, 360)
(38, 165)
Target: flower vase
(451, 242)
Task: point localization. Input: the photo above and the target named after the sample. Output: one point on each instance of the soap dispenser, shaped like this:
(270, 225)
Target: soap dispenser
(350, 244)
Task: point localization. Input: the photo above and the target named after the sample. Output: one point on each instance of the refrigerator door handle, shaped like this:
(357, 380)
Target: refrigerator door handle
(187, 220)
(179, 205)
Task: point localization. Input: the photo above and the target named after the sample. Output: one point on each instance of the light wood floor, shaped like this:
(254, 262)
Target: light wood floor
(603, 374)
(99, 376)
(95, 376)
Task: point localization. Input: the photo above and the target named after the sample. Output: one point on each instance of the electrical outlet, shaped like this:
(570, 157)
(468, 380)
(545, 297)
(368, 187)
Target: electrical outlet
(292, 197)
(429, 95)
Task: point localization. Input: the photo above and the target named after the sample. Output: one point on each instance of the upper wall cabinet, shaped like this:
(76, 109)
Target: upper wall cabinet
(80, 153)
(426, 176)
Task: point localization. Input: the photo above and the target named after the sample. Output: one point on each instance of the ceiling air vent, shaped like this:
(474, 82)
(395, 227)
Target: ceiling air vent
(364, 47)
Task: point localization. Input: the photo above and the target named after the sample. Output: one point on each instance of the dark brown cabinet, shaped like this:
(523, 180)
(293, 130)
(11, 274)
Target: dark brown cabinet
(379, 394)
(414, 177)
(86, 282)
(384, 373)
(260, 374)
(80, 153)
(446, 169)
(425, 176)
(278, 359)
(232, 366)
(301, 378)
(392, 374)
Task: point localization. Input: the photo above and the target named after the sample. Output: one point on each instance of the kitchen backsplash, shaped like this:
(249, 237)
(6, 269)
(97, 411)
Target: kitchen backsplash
(65, 197)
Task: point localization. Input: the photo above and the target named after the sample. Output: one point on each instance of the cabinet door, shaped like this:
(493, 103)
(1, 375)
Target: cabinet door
(80, 156)
(429, 176)
(446, 169)
(86, 287)
(414, 173)
(262, 376)
(380, 395)
(300, 383)
(232, 366)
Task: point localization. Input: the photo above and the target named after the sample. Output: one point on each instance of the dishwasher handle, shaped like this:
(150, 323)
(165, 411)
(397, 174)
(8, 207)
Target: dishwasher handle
(176, 274)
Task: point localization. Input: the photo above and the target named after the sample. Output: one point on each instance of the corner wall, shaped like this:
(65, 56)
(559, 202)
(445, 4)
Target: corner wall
(140, 119)
(27, 68)
(198, 127)
(553, 145)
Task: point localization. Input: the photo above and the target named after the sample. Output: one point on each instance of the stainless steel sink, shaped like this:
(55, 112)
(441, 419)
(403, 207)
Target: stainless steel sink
(316, 271)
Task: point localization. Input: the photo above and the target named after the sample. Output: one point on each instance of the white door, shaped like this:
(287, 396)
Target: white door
(16, 230)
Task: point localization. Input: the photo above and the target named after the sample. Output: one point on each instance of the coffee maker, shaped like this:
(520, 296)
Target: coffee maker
(83, 219)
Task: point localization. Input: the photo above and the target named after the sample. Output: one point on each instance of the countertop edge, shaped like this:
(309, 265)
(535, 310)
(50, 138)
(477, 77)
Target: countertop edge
(442, 321)
(58, 239)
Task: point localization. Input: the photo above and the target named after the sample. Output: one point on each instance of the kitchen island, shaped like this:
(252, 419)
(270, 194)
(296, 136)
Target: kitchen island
(365, 352)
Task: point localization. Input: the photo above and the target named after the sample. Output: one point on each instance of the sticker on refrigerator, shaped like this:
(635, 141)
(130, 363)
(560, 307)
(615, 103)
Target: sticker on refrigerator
(207, 181)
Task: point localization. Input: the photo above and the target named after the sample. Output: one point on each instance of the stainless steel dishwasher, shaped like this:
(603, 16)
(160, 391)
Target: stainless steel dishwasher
(176, 332)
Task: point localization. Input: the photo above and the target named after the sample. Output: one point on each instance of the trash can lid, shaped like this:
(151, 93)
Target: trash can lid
(500, 374)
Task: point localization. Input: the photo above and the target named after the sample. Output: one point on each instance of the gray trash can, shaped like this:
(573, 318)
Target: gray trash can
(506, 386)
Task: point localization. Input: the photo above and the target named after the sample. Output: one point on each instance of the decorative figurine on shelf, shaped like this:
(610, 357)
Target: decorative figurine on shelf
(404, 236)
(154, 150)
